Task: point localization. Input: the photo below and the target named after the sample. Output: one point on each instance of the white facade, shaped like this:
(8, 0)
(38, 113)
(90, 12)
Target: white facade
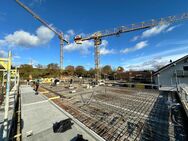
(173, 74)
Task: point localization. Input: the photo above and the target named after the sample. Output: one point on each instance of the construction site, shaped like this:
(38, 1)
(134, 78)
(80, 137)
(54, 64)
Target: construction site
(100, 104)
(117, 113)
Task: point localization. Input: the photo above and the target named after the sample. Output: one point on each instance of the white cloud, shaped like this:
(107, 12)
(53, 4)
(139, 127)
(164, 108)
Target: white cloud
(104, 43)
(33, 62)
(25, 39)
(172, 28)
(70, 33)
(3, 53)
(154, 63)
(155, 60)
(2, 42)
(44, 35)
(135, 38)
(154, 31)
(104, 51)
(169, 52)
(16, 57)
(84, 47)
(172, 43)
(138, 46)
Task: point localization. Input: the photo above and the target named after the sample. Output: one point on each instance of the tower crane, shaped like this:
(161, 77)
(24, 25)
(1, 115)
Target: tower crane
(58, 33)
(97, 36)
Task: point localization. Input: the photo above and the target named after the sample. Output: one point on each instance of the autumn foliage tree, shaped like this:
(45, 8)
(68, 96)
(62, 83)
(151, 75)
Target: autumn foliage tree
(69, 70)
(80, 71)
(106, 71)
(120, 69)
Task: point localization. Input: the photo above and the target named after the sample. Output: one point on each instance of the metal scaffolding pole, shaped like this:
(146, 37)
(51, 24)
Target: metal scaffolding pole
(3, 83)
(5, 125)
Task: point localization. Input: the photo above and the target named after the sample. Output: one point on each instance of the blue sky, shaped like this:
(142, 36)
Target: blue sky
(144, 49)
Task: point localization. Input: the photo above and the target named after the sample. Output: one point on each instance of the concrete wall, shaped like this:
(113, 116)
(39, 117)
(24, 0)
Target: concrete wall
(168, 78)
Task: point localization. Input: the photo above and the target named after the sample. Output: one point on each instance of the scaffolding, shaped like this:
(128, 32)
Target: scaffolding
(9, 75)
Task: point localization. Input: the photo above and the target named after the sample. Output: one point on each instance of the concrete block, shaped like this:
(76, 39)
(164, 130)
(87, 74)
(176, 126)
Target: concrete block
(73, 91)
(71, 88)
(29, 133)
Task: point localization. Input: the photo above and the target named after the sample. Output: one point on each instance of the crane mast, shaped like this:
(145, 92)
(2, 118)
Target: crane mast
(97, 36)
(58, 33)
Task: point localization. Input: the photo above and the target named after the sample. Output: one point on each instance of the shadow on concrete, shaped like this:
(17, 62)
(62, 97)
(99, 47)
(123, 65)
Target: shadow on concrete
(78, 138)
(159, 126)
(22, 124)
(180, 120)
(1, 129)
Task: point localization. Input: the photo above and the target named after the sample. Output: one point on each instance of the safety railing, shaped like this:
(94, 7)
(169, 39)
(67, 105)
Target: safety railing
(10, 79)
(183, 92)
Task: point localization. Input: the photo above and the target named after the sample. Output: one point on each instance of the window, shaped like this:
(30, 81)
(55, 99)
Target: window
(185, 68)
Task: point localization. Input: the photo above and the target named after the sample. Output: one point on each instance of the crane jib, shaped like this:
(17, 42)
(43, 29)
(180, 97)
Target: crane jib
(134, 27)
(59, 34)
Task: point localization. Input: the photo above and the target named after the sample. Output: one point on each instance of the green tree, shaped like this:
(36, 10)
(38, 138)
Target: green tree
(106, 70)
(53, 66)
(25, 70)
(80, 71)
(39, 66)
(53, 70)
(120, 69)
(26, 67)
(69, 70)
(91, 73)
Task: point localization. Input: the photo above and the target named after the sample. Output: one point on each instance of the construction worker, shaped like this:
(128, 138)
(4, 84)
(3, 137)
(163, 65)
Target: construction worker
(71, 81)
(27, 81)
(55, 82)
(37, 86)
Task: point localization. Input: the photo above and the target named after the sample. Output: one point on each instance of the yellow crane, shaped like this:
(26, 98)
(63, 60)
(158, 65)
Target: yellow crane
(58, 33)
(97, 36)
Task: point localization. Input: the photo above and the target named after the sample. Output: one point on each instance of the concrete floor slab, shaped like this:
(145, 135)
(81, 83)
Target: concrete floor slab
(119, 113)
(39, 115)
(12, 100)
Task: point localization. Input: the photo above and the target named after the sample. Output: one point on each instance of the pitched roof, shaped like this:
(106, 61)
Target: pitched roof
(170, 65)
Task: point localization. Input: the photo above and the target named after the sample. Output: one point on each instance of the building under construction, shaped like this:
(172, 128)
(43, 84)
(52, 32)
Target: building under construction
(118, 113)
(79, 111)
(132, 106)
